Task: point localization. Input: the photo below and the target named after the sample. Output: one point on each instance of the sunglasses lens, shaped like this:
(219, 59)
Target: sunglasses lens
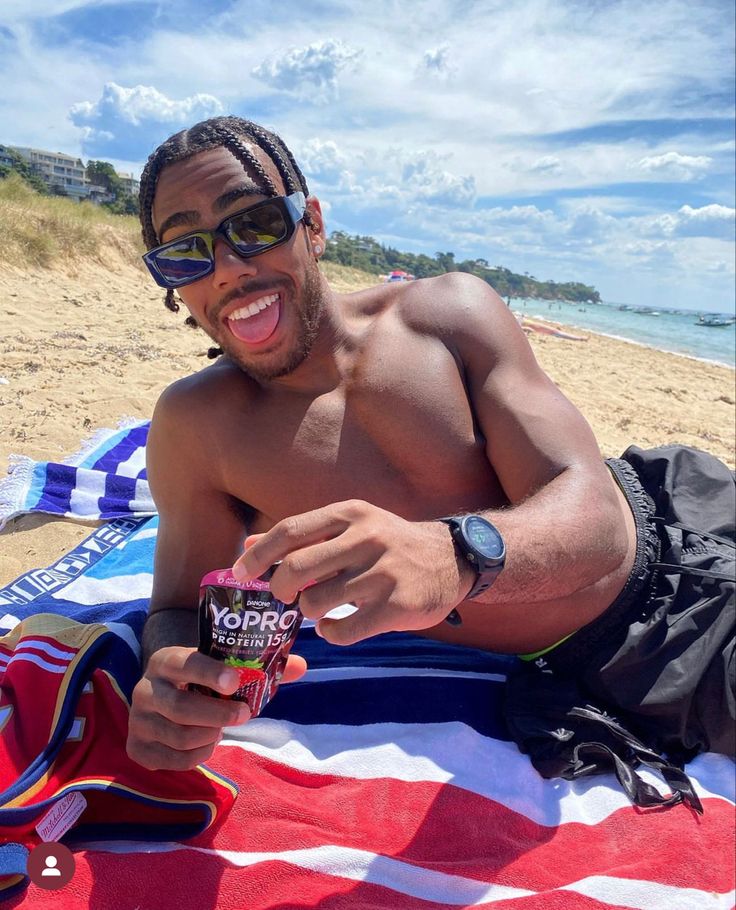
(184, 261)
(251, 232)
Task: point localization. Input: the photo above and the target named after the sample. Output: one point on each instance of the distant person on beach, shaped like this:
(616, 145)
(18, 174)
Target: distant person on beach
(400, 449)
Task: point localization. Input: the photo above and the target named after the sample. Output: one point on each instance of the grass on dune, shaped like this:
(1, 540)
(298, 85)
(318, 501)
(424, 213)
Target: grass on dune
(46, 230)
(49, 231)
(344, 279)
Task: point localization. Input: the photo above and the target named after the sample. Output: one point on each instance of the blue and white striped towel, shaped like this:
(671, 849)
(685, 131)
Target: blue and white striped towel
(105, 480)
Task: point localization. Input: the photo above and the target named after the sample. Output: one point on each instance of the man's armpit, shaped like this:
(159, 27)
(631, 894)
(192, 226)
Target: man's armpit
(245, 513)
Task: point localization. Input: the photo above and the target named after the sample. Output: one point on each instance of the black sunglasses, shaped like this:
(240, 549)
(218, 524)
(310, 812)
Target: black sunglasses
(249, 232)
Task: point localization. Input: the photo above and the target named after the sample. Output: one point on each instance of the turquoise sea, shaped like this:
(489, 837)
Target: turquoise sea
(669, 330)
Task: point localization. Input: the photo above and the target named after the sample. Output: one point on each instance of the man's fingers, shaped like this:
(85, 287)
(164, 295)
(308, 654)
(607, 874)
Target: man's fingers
(295, 668)
(359, 625)
(183, 667)
(293, 533)
(320, 574)
(180, 737)
(318, 599)
(183, 706)
(157, 757)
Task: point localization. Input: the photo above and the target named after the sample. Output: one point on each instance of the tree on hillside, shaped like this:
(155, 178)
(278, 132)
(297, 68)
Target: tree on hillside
(125, 204)
(20, 166)
(446, 261)
(102, 173)
(367, 254)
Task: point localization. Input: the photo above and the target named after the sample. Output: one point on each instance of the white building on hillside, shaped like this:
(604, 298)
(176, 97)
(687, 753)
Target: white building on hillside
(62, 173)
(68, 175)
(130, 183)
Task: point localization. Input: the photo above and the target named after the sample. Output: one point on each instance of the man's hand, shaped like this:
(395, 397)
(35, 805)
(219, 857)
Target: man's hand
(401, 575)
(175, 728)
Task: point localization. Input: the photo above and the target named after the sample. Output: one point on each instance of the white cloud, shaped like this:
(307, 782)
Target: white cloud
(589, 223)
(708, 213)
(519, 214)
(322, 160)
(706, 221)
(312, 71)
(142, 103)
(673, 165)
(124, 117)
(380, 178)
(424, 177)
(547, 164)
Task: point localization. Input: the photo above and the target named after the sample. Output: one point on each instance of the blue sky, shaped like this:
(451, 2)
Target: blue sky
(586, 140)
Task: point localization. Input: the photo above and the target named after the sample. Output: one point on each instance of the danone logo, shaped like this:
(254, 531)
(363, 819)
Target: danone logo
(262, 620)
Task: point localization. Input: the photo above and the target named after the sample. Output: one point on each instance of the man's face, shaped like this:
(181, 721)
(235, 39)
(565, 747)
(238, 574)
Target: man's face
(265, 311)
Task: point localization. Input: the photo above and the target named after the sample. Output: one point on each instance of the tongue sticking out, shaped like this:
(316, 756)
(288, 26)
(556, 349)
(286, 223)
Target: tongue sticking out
(257, 329)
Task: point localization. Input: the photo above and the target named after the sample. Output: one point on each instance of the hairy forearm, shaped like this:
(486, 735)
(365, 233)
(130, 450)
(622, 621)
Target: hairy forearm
(565, 538)
(165, 628)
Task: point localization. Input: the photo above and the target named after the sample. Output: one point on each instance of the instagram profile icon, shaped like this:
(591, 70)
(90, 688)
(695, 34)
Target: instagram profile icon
(50, 866)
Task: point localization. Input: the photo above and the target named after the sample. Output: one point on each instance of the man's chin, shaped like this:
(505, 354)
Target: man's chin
(263, 366)
(264, 369)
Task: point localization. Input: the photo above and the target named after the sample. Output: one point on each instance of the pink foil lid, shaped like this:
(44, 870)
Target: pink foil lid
(225, 578)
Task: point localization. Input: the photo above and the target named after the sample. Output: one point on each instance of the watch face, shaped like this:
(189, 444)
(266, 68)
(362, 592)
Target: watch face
(484, 537)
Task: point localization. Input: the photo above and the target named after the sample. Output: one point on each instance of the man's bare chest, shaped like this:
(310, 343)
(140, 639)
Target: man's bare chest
(403, 439)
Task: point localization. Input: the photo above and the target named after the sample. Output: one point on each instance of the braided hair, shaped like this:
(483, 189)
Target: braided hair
(218, 132)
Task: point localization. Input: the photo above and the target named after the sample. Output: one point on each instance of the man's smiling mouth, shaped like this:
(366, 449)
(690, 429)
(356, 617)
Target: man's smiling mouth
(255, 322)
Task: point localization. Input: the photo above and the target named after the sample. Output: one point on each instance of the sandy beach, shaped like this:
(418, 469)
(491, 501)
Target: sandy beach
(85, 345)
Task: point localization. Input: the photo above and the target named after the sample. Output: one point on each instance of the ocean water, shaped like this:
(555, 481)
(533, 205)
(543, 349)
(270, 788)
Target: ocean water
(671, 330)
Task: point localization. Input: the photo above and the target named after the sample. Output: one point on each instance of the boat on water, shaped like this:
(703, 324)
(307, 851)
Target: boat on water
(646, 311)
(715, 321)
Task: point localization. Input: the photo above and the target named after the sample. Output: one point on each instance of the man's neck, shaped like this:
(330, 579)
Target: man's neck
(330, 361)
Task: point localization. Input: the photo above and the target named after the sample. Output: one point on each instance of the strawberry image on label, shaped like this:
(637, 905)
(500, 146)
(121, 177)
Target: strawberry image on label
(253, 682)
(245, 627)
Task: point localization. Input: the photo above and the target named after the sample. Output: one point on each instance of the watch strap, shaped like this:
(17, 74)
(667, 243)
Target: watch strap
(483, 580)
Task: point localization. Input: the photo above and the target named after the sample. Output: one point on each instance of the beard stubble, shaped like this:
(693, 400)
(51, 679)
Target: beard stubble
(309, 318)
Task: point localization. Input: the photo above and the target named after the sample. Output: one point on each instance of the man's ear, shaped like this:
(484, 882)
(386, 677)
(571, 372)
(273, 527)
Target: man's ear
(317, 233)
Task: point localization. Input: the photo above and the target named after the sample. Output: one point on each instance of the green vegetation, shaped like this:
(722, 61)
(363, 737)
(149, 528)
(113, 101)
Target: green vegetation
(367, 255)
(102, 173)
(21, 167)
(38, 230)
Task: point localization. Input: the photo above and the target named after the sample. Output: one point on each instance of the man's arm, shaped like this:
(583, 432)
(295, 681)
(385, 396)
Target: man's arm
(171, 726)
(564, 531)
(166, 629)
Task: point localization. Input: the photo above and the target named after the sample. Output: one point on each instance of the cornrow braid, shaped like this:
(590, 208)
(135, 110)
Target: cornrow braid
(288, 169)
(217, 132)
(238, 149)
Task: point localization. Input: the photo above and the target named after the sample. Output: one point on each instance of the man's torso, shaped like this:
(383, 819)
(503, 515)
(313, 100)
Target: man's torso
(397, 429)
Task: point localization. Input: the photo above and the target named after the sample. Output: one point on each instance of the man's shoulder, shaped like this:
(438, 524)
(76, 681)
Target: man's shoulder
(446, 302)
(199, 393)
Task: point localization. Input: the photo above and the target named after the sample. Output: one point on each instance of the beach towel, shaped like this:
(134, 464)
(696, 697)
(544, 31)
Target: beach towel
(106, 479)
(384, 779)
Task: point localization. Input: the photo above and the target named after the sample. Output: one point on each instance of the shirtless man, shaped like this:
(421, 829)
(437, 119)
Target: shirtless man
(334, 432)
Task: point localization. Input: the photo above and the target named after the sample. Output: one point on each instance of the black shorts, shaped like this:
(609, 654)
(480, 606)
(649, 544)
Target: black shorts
(661, 661)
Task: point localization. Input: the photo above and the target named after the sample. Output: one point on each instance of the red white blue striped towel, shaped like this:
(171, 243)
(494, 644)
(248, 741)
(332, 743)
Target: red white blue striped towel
(384, 779)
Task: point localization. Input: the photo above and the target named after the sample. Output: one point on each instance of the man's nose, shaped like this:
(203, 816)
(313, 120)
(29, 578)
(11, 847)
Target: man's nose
(230, 268)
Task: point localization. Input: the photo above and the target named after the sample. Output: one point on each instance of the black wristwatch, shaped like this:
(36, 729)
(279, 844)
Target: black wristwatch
(481, 544)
